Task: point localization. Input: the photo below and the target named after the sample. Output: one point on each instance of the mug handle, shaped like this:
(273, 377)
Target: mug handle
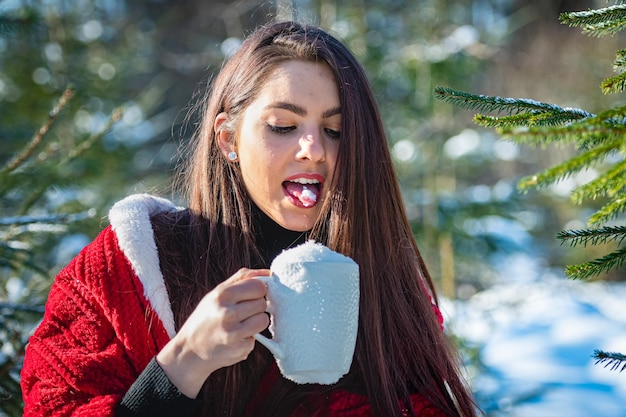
(271, 345)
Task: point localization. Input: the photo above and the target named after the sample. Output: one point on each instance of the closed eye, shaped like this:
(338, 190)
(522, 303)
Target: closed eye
(334, 134)
(280, 129)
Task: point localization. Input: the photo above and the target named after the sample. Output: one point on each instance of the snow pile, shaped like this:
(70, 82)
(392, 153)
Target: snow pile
(536, 341)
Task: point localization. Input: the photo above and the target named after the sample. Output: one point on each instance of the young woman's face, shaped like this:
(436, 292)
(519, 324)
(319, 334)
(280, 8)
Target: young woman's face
(288, 140)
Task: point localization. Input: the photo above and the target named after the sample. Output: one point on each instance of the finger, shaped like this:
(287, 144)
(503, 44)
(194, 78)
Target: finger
(235, 317)
(246, 274)
(247, 309)
(244, 290)
(255, 324)
(245, 329)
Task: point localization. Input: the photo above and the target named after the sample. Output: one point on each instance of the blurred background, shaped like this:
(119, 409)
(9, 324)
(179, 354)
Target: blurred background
(136, 67)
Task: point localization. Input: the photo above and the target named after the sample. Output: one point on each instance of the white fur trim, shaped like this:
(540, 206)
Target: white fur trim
(130, 219)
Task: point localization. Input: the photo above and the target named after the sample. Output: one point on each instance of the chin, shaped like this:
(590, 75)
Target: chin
(297, 223)
(297, 227)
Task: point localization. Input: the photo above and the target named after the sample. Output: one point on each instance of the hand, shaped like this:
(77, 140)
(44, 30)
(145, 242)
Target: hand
(218, 333)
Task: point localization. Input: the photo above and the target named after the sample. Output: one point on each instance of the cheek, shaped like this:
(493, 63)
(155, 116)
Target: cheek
(333, 154)
(256, 168)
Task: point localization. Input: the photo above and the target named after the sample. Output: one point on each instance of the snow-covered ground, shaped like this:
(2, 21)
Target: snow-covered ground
(536, 339)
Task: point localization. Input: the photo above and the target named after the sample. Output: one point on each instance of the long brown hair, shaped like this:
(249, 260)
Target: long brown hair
(400, 347)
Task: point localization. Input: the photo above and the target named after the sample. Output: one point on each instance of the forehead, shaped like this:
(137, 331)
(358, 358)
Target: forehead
(300, 80)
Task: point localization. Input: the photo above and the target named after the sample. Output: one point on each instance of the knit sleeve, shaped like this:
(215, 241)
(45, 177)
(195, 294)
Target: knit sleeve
(154, 395)
(97, 335)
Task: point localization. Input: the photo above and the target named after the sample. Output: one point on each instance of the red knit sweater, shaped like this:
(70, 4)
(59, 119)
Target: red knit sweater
(107, 316)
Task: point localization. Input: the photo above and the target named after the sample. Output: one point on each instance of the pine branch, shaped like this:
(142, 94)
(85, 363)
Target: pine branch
(589, 132)
(116, 115)
(25, 21)
(593, 17)
(593, 236)
(609, 183)
(50, 218)
(604, 29)
(545, 135)
(36, 140)
(615, 84)
(606, 125)
(536, 135)
(620, 60)
(614, 115)
(487, 104)
(22, 308)
(569, 167)
(609, 211)
(610, 359)
(18, 259)
(585, 136)
(527, 119)
(614, 260)
(30, 168)
(600, 22)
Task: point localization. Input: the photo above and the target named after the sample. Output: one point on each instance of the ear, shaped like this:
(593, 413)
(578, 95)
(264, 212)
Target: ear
(225, 138)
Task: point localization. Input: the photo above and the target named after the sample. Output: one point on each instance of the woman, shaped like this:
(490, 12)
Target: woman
(157, 315)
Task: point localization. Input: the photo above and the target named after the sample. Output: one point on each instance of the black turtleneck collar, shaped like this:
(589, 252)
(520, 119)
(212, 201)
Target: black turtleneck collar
(271, 237)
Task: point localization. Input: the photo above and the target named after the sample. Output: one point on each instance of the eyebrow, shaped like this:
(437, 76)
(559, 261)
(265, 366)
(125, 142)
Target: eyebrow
(301, 111)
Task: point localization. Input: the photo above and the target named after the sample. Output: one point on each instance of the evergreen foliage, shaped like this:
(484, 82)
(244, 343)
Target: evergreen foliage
(611, 360)
(26, 20)
(26, 227)
(600, 140)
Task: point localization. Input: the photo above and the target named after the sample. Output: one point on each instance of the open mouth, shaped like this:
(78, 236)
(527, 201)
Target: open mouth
(303, 192)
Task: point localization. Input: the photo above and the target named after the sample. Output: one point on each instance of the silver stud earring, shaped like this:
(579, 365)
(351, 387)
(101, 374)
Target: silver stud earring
(232, 156)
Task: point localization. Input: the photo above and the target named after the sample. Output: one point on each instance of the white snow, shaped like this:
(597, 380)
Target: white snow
(537, 338)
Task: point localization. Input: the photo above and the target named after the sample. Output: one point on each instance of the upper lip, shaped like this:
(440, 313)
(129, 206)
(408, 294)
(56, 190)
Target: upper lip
(306, 178)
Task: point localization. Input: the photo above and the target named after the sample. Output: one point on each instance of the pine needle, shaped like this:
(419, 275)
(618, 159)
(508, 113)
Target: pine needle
(604, 29)
(614, 260)
(43, 130)
(620, 60)
(610, 183)
(527, 119)
(62, 218)
(615, 84)
(614, 115)
(115, 116)
(609, 212)
(589, 132)
(569, 167)
(25, 21)
(613, 360)
(605, 21)
(593, 237)
(487, 104)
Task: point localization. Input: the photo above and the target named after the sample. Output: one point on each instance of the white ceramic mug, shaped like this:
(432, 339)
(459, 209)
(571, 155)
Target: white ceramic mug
(313, 301)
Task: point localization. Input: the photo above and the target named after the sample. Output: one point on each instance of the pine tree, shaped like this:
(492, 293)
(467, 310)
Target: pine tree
(31, 231)
(600, 140)
(26, 227)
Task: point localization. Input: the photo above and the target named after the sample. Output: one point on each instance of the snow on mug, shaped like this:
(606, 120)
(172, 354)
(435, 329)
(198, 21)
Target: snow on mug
(313, 301)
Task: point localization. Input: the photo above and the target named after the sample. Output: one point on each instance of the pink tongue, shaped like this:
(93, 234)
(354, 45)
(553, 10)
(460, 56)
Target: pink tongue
(307, 194)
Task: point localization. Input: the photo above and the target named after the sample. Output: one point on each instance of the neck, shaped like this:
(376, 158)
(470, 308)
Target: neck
(272, 238)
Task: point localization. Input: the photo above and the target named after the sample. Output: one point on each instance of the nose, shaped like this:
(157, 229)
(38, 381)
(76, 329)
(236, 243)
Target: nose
(311, 147)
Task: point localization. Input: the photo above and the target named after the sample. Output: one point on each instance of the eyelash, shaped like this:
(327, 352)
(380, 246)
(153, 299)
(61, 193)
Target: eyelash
(334, 134)
(282, 130)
